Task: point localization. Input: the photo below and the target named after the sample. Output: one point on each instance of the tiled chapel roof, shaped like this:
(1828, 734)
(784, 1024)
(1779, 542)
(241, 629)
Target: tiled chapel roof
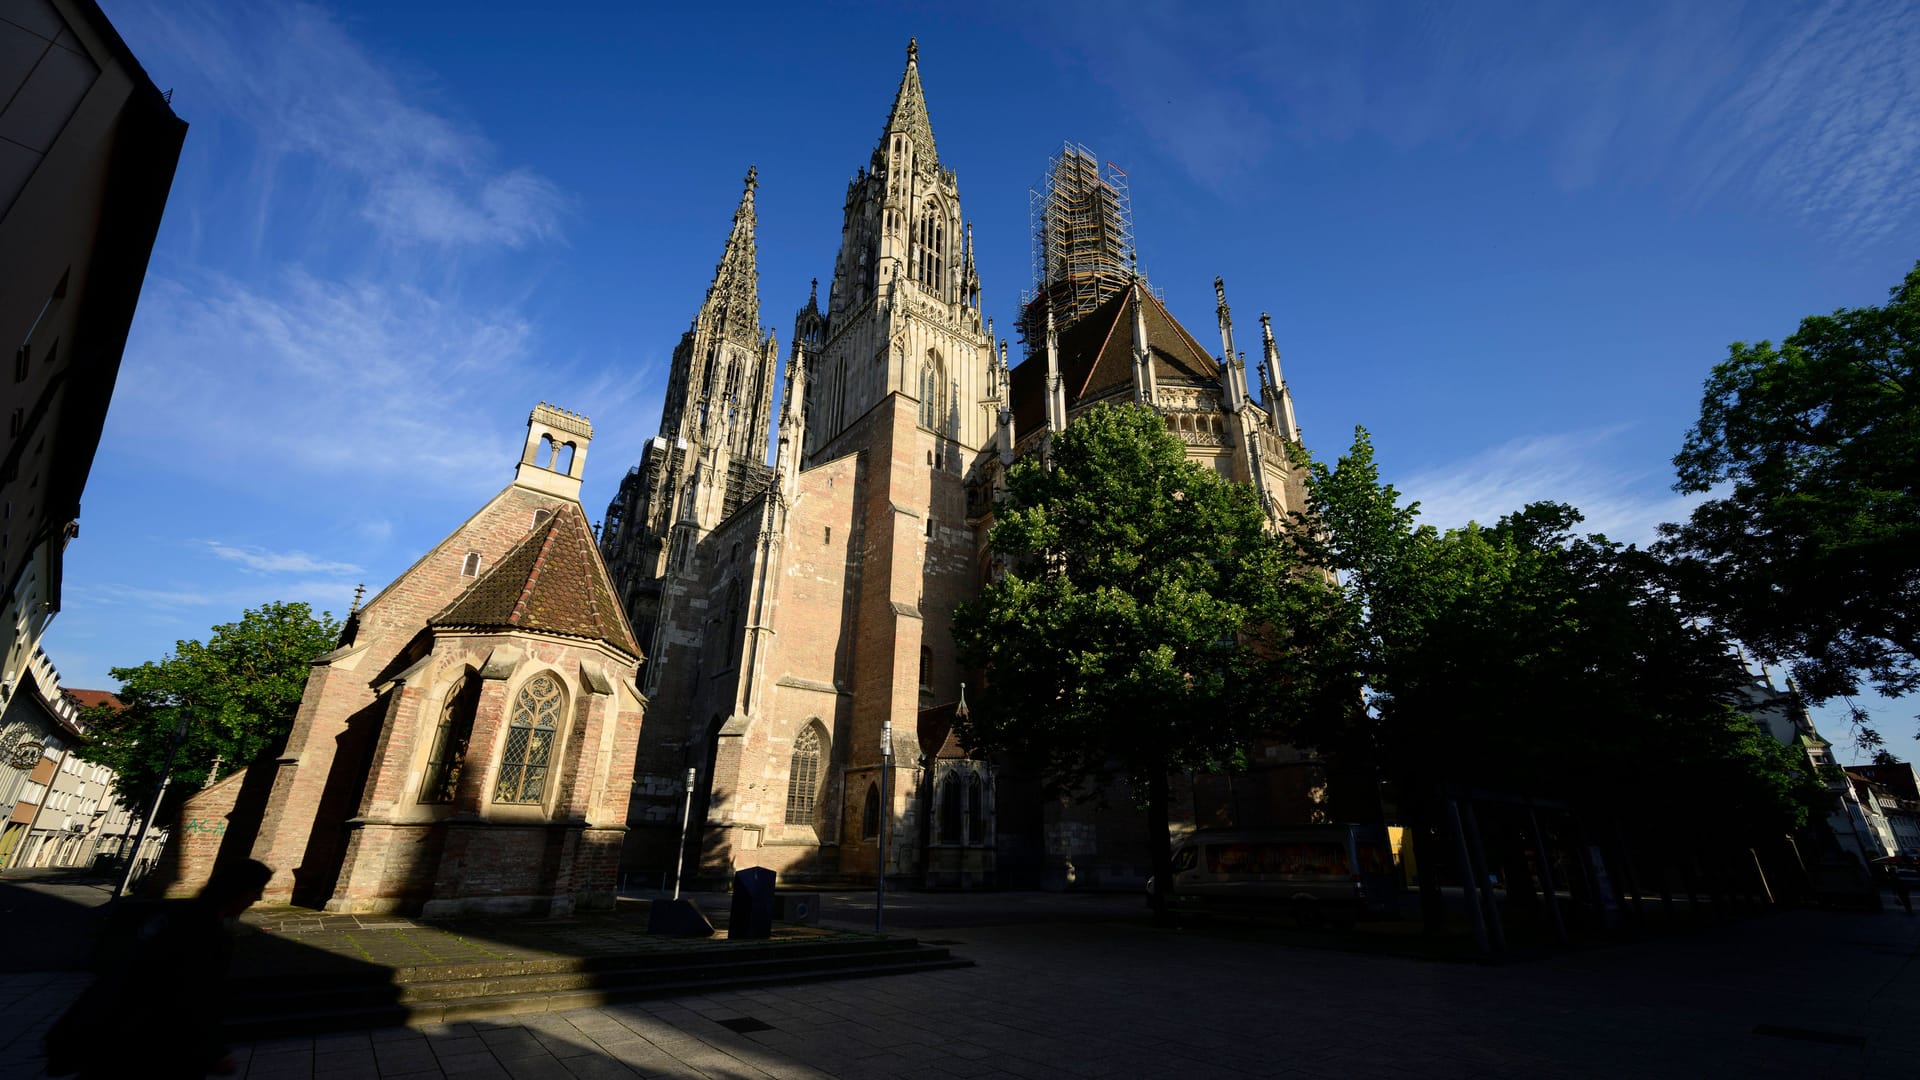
(1096, 355)
(552, 581)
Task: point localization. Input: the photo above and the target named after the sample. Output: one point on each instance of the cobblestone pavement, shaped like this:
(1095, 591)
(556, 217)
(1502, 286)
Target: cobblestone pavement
(1796, 994)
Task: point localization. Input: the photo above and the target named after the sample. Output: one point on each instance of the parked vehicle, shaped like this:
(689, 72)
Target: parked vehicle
(1321, 873)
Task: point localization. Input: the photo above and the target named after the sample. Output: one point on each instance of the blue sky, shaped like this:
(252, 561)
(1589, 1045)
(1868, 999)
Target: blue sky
(1510, 240)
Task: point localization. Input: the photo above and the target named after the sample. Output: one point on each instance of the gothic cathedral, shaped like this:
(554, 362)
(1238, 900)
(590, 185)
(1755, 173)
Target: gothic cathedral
(795, 618)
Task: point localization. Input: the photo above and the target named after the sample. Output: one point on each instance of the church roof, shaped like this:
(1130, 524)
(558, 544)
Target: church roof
(1096, 355)
(909, 112)
(552, 581)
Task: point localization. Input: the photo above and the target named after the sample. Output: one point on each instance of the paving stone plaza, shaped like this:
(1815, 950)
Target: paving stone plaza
(1082, 987)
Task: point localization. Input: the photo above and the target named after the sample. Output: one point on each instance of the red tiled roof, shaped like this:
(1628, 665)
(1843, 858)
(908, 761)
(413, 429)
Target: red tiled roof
(87, 699)
(552, 581)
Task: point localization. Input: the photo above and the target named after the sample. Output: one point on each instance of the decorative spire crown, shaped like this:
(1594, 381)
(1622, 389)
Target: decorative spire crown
(909, 113)
(734, 295)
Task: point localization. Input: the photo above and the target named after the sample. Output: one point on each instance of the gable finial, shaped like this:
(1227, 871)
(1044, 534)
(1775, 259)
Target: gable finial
(913, 50)
(359, 591)
(753, 177)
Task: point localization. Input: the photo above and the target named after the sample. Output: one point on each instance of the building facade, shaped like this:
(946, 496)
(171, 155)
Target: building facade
(797, 617)
(88, 147)
(59, 810)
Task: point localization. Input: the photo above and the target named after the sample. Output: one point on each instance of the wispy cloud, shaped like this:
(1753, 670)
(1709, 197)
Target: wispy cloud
(1810, 109)
(113, 594)
(1574, 468)
(323, 376)
(278, 562)
(292, 74)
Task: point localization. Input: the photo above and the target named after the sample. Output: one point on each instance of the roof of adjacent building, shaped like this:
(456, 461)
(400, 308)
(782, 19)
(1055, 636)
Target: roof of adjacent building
(553, 581)
(1096, 356)
(87, 699)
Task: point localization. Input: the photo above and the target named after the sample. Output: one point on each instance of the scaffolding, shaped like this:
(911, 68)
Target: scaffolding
(1083, 253)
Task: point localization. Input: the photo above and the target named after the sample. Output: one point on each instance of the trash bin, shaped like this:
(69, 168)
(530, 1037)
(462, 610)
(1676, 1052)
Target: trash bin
(752, 915)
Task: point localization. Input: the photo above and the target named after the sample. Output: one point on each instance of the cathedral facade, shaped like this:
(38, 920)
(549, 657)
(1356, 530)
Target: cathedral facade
(795, 618)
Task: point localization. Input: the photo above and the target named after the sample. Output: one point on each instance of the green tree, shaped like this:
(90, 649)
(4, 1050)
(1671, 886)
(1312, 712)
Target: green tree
(1810, 553)
(237, 692)
(1147, 621)
(1527, 659)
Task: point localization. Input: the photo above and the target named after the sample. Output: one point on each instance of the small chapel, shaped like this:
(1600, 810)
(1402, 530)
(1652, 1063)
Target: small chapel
(468, 748)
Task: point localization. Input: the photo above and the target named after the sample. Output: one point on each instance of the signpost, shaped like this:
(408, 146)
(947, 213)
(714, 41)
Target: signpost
(880, 881)
(686, 816)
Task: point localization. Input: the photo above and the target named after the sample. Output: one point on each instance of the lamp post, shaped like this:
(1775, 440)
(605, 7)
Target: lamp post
(880, 880)
(686, 818)
(166, 777)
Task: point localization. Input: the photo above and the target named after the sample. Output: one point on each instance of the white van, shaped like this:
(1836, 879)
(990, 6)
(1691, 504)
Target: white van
(1334, 873)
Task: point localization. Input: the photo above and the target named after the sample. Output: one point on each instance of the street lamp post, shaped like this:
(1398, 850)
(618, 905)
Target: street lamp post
(166, 777)
(686, 817)
(880, 880)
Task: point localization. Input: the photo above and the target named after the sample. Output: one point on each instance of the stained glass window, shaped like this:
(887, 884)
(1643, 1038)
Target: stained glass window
(529, 752)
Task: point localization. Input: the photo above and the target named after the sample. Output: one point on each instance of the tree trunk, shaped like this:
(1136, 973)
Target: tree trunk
(1160, 845)
(1429, 857)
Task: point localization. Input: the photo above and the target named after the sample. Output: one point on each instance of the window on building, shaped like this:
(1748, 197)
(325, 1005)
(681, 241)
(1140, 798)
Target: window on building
(870, 815)
(976, 809)
(539, 517)
(471, 567)
(529, 750)
(803, 776)
(449, 754)
(926, 661)
(950, 818)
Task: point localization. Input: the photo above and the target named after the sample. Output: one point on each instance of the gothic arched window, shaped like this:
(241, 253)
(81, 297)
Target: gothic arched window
(449, 754)
(931, 238)
(932, 380)
(950, 809)
(870, 815)
(529, 750)
(976, 809)
(803, 775)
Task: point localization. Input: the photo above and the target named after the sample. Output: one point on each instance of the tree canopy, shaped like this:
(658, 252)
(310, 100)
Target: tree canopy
(237, 692)
(1525, 658)
(1147, 619)
(1809, 552)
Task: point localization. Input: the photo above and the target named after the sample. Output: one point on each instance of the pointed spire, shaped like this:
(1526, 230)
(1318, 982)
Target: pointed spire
(1230, 379)
(733, 300)
(1274, 388)
(909, 114)
(1056, 392)
(1145, 386)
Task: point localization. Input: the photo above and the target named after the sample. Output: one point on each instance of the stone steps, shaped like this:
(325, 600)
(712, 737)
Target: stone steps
(272, 1006)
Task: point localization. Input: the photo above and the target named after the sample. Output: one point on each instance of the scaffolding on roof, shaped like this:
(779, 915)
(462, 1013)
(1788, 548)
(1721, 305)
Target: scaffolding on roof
(1083, 253)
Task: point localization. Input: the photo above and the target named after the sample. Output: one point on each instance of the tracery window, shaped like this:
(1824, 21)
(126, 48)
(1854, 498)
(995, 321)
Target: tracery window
(931, 237)
(950, 818)
(529, 751)
(976, 810)
(449, 755)
(931, 378)
(960, 806)
(803, 776)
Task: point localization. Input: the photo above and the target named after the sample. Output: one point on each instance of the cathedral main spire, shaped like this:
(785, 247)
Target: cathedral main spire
(909, 115)
(733, 299)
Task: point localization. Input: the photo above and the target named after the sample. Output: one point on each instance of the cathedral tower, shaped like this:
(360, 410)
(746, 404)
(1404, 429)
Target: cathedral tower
(710, 455)
(903, 312)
